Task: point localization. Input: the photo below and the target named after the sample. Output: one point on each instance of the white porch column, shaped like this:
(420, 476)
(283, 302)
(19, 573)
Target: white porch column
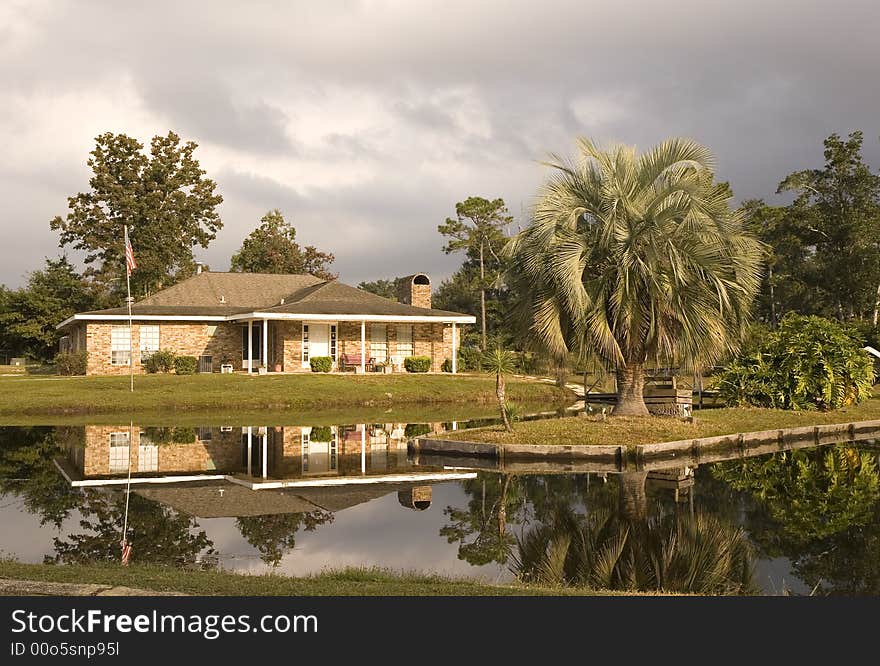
(363, 347)
(249, 433)
(454, 352)
(265, 351)
(364, 448)
(266, 454)
(250, 344)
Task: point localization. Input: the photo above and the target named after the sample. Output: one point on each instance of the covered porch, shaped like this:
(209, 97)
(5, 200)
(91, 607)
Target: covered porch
(358, 344)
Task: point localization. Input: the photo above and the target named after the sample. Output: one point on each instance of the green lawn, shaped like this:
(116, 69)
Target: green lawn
(631, 431)
(348, 582)
(163, 395)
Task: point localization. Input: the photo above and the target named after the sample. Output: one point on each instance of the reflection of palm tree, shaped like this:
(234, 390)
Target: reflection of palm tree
(675, 553)
(678, 553)
(633, 498)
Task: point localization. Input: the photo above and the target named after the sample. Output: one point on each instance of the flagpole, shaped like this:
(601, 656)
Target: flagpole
(130, 326)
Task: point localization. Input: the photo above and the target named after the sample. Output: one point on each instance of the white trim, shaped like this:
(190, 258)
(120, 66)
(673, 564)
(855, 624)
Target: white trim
(264, 349)
(106, 317)
(453, 474)
(461, 319)
(454, 351)
(363, 347)
(353, 480)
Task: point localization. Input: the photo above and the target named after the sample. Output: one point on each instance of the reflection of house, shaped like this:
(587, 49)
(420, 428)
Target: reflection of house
(278, 322)
(217, 499)
(251, 455)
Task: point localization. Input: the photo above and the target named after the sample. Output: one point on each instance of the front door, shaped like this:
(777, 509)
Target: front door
(319, 340)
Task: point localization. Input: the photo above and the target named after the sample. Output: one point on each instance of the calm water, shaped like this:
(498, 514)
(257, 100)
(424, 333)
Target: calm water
(300, 498)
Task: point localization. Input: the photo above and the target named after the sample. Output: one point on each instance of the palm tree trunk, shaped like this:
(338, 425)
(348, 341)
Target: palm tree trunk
(633, 499)
(630, 391)
(499, 391)
(482, 296)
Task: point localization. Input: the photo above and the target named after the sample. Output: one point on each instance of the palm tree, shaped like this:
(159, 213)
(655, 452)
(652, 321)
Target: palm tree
(501, 362)
(635, 259)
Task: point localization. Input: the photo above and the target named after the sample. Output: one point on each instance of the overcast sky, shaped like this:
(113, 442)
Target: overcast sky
(365, 122)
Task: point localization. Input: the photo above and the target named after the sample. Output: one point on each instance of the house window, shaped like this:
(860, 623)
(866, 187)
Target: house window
(405, 340)
(378, 342)
(305, 344)
(120, 345)
(118, 452)
(149, 341)
(148, 455)
(333, 341)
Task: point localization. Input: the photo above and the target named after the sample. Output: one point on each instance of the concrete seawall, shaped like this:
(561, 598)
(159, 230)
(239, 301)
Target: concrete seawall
(653, 456)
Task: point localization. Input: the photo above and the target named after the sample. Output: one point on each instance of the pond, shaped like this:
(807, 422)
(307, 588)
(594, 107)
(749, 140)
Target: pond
(299, 499)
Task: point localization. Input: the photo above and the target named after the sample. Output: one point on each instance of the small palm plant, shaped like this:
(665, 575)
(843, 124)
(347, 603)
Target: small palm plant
(501, 362)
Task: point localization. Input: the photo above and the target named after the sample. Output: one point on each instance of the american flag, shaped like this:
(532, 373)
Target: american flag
(126, 552)
(130, 263)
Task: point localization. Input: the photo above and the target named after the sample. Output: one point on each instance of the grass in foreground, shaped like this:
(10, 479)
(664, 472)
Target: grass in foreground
(158, 394)
(632, 431)
(347, 582)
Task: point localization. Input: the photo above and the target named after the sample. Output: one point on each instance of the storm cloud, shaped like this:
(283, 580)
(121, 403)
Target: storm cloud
(366, 121)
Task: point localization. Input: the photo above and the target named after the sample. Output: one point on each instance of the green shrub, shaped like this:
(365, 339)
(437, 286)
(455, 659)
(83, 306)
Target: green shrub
(417, 363)
(807, 363)
(160, 361)
(447, 365)
(321, 363)
(469, 359)
(321, 433)
(411, 430)
(186, 365)
(71, 363)
(169, 435)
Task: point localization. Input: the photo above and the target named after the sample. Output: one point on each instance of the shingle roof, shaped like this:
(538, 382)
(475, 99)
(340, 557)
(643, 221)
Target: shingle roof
(244, 290)
(335, 298)
(225, 294)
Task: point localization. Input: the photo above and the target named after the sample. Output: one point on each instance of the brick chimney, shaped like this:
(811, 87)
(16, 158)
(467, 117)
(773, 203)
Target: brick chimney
(415, 290)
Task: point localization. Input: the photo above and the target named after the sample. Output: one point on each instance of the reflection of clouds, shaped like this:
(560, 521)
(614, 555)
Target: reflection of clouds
(23, 537)
(378, 533)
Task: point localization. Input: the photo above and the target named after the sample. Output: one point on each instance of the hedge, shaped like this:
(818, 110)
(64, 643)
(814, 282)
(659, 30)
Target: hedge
(71, 363)
(186, 365)
(160, 361)
(417, 363)
(321, 363)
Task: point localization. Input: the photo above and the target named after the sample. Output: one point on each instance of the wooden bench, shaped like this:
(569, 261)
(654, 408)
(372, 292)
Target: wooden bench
(347, 361)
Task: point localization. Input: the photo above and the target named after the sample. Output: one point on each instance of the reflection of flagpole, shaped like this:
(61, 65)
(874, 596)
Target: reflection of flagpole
(128, 300)
(126, 547)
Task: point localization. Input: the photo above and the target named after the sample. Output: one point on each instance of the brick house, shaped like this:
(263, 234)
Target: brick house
(274, 323)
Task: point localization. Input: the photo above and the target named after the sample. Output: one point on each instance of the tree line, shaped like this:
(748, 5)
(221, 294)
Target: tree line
(820, 252)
